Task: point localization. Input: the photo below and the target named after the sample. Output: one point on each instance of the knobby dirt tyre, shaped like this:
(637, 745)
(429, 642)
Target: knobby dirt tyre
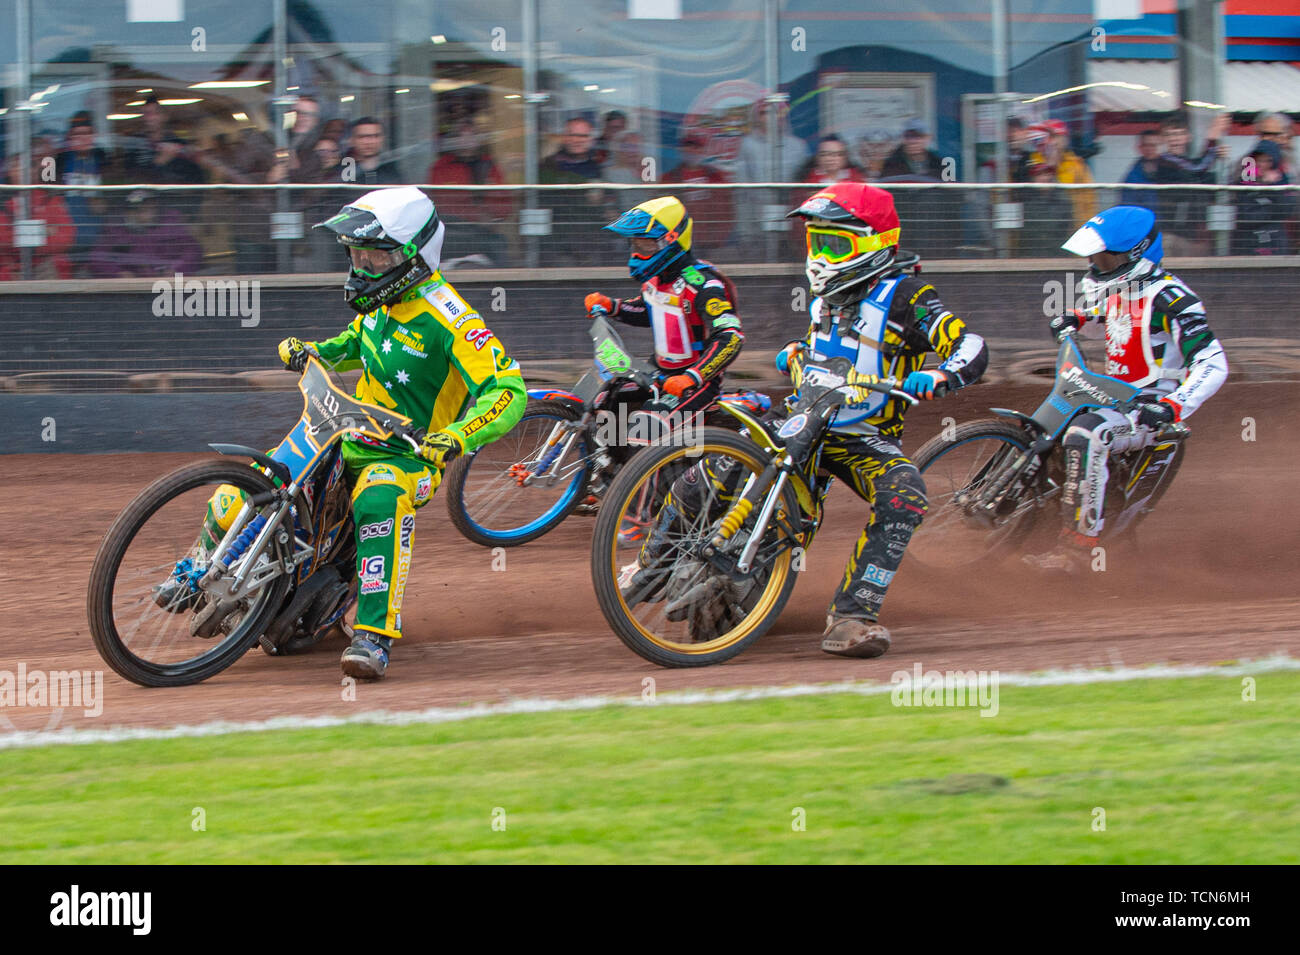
(765, 610)
(99, 599)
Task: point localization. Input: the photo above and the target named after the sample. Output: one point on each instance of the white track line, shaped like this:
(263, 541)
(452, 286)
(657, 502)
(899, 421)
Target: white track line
(444, 714)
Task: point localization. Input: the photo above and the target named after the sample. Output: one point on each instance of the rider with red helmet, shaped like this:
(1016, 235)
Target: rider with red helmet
(872, 309)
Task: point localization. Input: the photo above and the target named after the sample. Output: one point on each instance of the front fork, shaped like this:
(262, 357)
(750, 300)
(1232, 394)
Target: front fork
(773, 479)
(247, 539)
(1007, 484)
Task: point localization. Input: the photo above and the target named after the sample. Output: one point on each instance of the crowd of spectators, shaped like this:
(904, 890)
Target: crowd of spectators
(151, 232)
(1165, 158)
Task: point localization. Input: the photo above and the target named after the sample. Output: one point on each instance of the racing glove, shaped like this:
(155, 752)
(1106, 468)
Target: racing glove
(786, 355)
(441, 448)
(1156, 415)
(596, 300)
(677, 385)
(1066, 320)
(294, 354)
(927, 384)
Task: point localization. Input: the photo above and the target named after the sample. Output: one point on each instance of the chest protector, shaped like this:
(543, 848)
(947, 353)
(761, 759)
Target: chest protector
(1133, 353)
(677, 327)
(861, 339)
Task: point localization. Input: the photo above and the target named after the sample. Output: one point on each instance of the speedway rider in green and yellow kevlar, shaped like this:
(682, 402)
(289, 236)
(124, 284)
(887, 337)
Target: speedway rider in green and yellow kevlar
(425, 353)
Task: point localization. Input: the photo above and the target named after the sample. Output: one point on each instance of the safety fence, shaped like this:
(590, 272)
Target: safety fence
(55, 233)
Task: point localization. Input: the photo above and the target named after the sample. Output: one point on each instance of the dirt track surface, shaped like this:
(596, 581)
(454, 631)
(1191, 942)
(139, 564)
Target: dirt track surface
(1214, 578)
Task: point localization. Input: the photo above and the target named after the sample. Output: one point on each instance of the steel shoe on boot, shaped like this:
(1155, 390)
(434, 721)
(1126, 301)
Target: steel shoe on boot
(1069, 563)
(1072, 555)
(367, 658)
(854, 636)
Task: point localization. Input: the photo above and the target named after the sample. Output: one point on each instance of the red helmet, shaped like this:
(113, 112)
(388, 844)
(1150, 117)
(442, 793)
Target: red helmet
(853, 232)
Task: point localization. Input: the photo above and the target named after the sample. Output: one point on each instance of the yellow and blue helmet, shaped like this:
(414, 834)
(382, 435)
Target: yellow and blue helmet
(663, 220)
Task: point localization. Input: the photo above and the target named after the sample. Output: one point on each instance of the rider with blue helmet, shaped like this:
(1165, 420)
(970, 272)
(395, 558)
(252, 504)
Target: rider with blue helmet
(1157, 338)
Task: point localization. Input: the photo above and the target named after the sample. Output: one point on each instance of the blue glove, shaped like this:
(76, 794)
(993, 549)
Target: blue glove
(927, 384)
(785, 354)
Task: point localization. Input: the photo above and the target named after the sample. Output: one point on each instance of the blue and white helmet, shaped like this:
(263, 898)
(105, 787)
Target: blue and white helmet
(1128, 231)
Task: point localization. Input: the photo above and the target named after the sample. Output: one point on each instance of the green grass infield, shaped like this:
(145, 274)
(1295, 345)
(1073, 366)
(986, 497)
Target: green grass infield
(1146, 771)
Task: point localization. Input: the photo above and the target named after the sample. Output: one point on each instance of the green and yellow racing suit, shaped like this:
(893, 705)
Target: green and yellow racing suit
(431, 358)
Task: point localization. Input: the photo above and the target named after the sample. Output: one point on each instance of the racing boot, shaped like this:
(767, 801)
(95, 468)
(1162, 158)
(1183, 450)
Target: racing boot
(640, 584)
(367, 658)
(847, 636)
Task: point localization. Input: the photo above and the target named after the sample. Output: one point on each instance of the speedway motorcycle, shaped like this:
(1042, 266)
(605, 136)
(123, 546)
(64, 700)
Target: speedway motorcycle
(168, 607)
(567, 447)
(990, 482)
(733, 516)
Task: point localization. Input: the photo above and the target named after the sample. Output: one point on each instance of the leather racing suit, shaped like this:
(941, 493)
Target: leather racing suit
(432, 358)
(692, 313)
(888, 332)
(1157, 338)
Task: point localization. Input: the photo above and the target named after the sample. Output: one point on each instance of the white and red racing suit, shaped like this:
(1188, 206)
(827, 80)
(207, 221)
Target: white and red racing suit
(1158, 339)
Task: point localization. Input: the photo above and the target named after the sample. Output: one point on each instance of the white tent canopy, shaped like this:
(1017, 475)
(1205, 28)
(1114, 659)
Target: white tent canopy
(1135, 85)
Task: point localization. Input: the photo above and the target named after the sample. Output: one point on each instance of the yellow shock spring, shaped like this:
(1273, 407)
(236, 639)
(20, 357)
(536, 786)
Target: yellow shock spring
(731, 523)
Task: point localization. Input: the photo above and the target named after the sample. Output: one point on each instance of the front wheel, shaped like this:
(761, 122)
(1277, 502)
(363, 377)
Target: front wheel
(959, 463)
(524, 484)
(149, 620)
(679, 610)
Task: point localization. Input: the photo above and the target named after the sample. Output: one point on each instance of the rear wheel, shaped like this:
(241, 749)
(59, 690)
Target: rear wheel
(684, 612)
(519, 487)
(148, 622)
(957, 464)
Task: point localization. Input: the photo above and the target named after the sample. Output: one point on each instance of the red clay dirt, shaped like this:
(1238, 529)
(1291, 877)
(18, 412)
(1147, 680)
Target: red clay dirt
(1212, 579)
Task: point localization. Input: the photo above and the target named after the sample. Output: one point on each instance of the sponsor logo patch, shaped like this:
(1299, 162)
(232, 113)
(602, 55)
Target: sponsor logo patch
(380, 529)
(409, 340)
(793, 425)
(877, 575)
(490, 415)
(717, 306)
(423, 488)
(380, 472)
(403, 560)
(478, 337)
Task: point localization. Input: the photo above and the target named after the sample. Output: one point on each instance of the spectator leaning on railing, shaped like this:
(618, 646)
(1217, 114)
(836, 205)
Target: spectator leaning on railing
(1145, 171)
(82, 163)
(1182, 213)
(49, 261)
(1262, 215)
(574, 213)
(152, 241)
